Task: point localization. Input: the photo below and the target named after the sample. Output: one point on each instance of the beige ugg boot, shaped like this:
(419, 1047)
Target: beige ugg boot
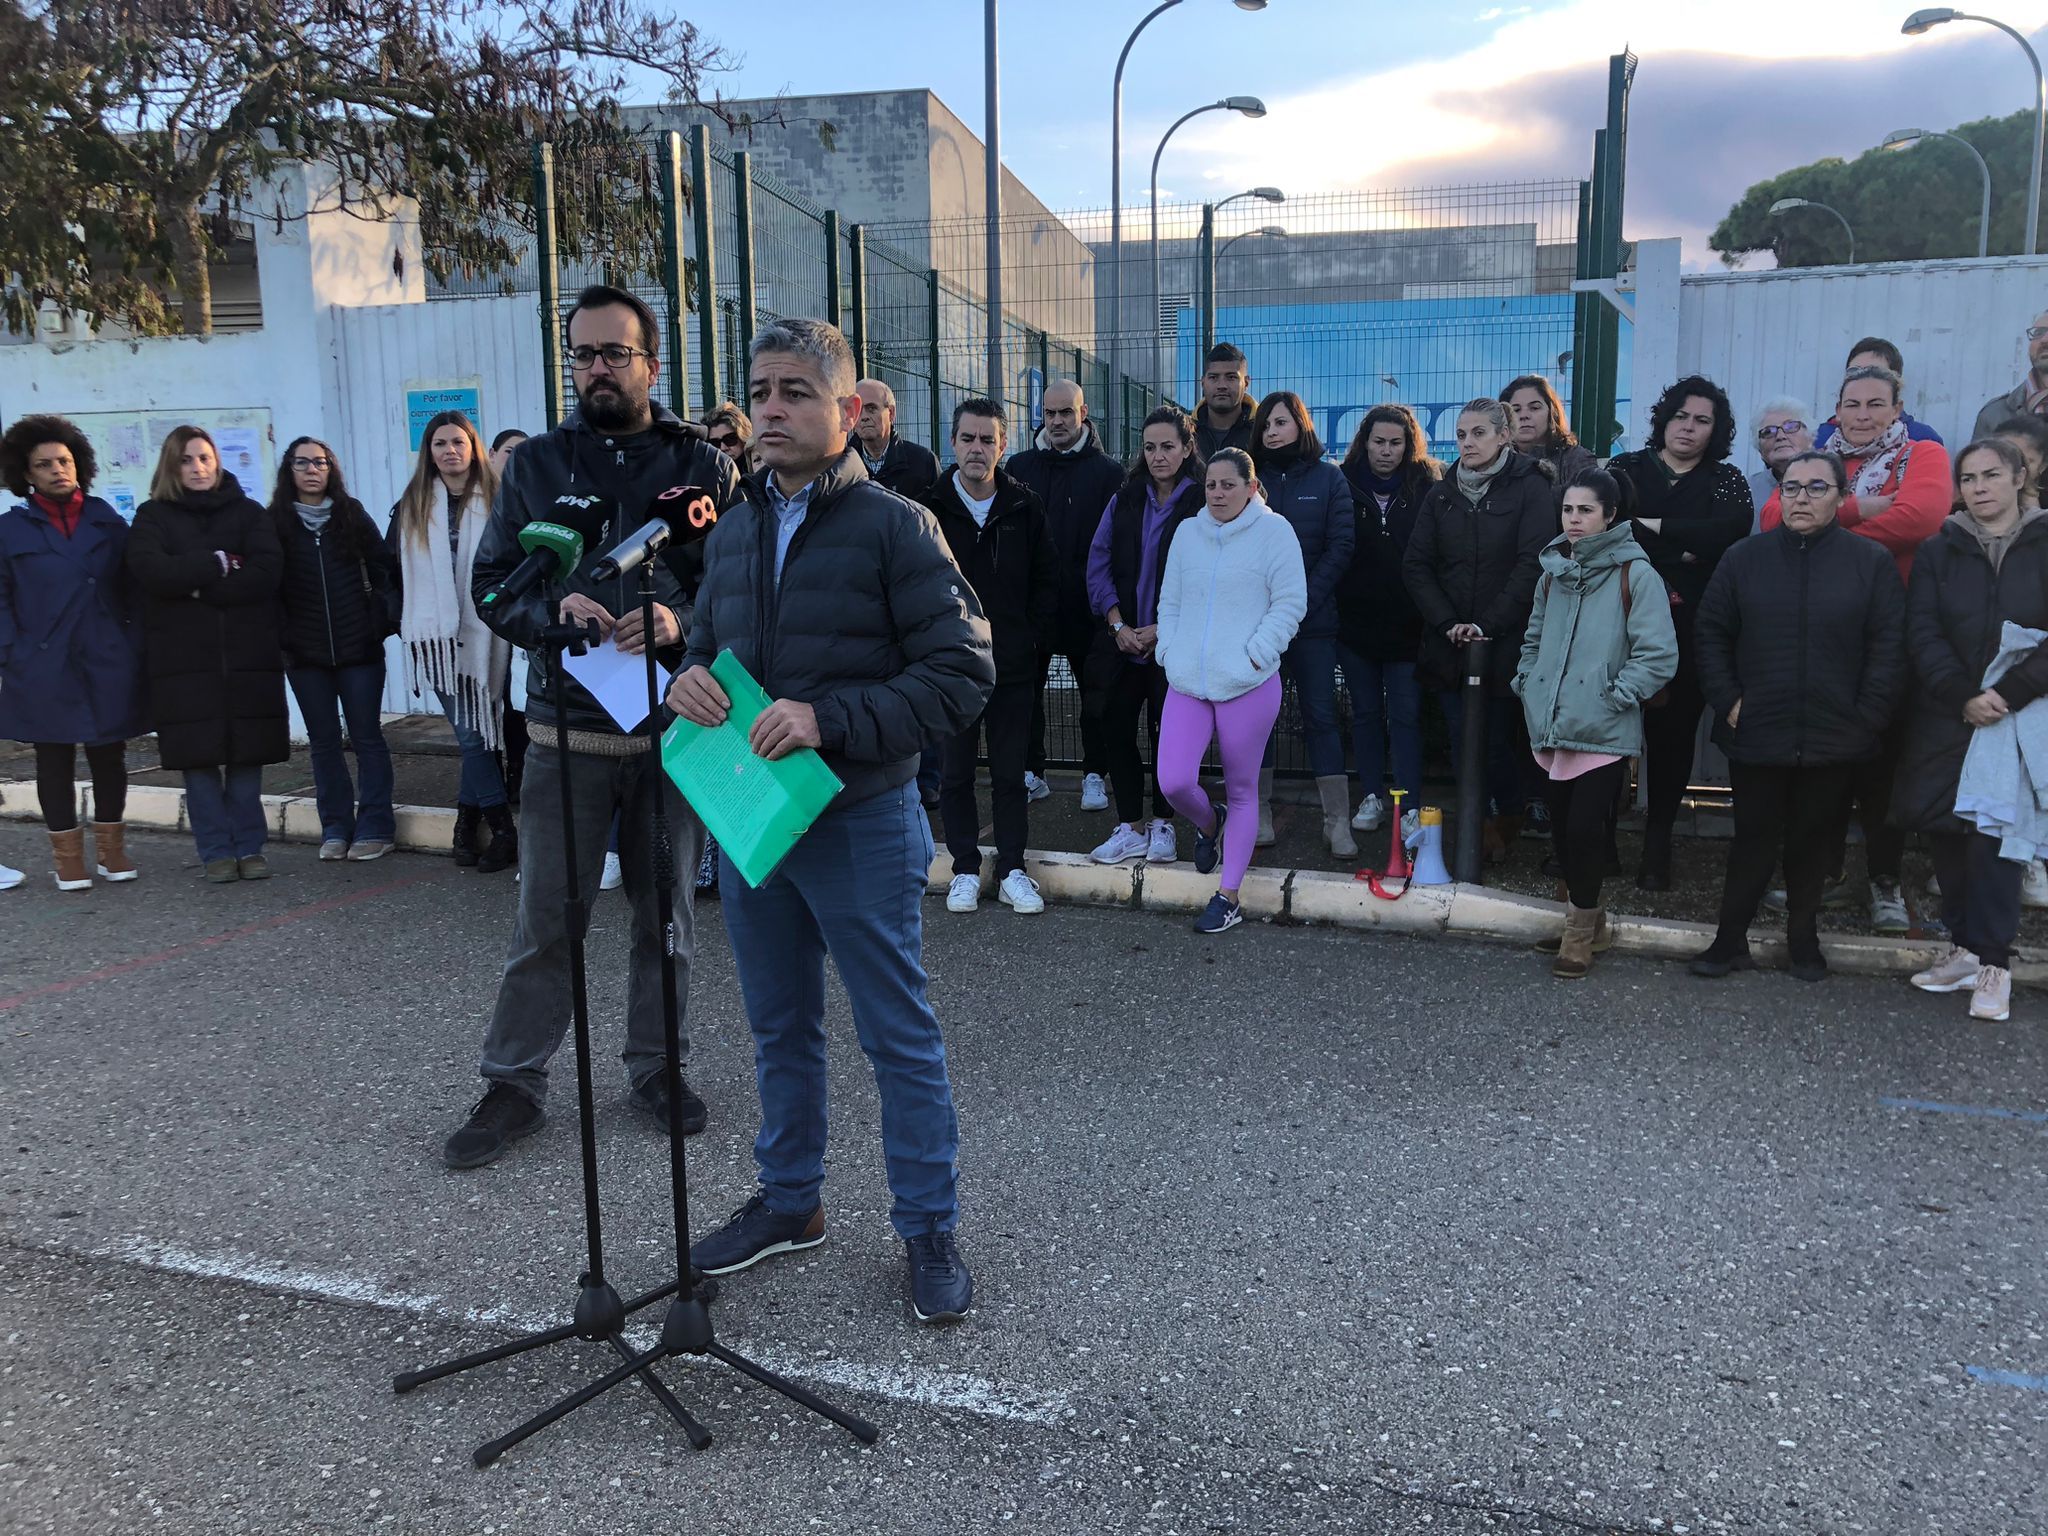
(110, 851)
(1575, 952)
(1335, 792)
(67, 853)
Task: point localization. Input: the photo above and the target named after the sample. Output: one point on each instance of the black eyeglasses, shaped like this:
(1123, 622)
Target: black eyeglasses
(2036, 332)
(616, 355)
(311, 463)
(1807, 490)
(1782, 429)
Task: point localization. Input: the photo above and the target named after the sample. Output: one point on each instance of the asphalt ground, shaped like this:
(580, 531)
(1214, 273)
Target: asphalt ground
(1292, 1230)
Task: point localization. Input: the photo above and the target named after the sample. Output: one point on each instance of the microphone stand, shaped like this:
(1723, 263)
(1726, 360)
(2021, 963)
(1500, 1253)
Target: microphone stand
(687, 1328)
(600, 1313)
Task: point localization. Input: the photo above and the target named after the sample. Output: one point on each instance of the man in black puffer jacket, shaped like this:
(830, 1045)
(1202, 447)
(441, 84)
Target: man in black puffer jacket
(1074, 480)
(895, 463)
(1800, 648)
(997, 532)
(843, 601)
(618, 461)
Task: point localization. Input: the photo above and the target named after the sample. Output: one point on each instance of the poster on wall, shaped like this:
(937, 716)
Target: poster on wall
(127, 444)
(427, 398)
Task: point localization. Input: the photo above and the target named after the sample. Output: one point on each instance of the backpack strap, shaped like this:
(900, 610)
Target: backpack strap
(1624, 590)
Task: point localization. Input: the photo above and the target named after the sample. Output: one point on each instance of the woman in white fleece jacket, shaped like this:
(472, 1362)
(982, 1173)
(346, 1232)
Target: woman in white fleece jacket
(1233, 595)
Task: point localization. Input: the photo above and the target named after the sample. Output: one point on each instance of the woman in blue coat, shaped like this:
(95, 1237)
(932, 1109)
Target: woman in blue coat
(70, 647)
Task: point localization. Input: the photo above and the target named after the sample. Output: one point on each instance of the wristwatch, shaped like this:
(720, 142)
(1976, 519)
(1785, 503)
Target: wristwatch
(1116, 626)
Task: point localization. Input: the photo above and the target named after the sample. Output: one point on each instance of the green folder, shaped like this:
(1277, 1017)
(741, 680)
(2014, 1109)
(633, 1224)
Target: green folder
(756, 809)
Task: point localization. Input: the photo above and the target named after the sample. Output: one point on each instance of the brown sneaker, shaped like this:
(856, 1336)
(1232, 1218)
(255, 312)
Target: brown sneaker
(110, 851)
(222, 872)
(67, 853)
(254, 867)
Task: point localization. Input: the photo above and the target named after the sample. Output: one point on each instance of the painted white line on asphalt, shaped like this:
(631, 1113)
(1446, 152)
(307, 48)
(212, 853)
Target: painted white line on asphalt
(946, 1390)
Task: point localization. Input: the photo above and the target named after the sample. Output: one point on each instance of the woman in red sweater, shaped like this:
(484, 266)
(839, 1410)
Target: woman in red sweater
(1899, 488)
(1899, 495)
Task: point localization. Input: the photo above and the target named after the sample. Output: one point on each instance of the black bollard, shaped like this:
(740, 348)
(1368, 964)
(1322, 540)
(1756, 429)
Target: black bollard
(1470, 865)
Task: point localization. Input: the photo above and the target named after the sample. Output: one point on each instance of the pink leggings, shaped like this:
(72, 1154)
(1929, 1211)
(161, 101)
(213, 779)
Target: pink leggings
(1240, 726)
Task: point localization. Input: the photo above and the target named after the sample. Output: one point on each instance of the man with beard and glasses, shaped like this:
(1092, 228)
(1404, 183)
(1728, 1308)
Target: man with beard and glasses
(611, 466)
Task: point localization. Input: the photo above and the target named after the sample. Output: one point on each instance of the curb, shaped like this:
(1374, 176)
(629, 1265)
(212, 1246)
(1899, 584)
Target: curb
(1288, 896)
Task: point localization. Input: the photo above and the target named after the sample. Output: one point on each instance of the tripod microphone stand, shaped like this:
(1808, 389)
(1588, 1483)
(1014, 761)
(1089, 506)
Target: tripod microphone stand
(600, 1313)
(687, 1328)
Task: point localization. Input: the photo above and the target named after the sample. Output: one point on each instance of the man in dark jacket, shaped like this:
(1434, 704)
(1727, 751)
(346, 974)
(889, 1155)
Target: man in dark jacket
(2029, 397)
(1224, 418)
(843, 600)
(998, 534)
(618, 461)
(907, 468)
(1799, 645)
(1074, 480)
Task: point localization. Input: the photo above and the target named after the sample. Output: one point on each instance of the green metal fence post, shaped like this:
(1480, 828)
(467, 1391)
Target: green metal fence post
(707, 265)
(1208, 283)
(1583, 306)
(857, 255)
(931, 320)
(833, 297)
(673, 274)
(743, 216)
(547, 253)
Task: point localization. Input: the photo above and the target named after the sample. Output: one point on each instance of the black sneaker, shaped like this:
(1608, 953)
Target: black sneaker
(1536, 819)
(650, 1097)
(1220, 916)
(754, 1233)
(941, 1289)
(501, 1117)
(1718, 959)
(1807, 967)
(1209, 846)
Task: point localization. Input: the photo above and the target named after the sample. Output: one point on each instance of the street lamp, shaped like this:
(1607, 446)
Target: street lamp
(1264, 194)
(1785, 205)
(1116, 198)
(1267, 231)
(1933, 16)
(1905, 138)
(1249, 106)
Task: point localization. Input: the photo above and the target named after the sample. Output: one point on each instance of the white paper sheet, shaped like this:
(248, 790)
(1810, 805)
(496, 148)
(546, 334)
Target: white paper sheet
(617, 681)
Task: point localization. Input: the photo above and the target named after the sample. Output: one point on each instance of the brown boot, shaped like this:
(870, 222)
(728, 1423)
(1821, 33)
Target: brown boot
(110, 851)
(1603, 936)
(67, 852)
(1575, 950)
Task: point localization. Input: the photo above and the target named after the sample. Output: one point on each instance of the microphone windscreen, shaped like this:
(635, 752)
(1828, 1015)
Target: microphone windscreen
(689, 510)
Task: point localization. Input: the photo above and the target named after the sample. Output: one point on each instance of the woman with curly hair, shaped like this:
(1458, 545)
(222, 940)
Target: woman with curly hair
(1691, 504)
(70, 644)
(337, 604)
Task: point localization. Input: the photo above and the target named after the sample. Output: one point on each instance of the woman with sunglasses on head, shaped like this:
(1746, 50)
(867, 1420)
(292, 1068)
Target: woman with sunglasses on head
(449, 652)
(336, 601)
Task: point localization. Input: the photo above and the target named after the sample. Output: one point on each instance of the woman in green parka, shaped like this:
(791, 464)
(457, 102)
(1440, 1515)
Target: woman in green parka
(1600, 643)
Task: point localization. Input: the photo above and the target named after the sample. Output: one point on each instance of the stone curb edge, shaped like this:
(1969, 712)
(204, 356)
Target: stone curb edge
(1272, 895)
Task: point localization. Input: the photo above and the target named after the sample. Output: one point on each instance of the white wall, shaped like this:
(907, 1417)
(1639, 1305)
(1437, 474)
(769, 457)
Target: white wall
(1760, 334)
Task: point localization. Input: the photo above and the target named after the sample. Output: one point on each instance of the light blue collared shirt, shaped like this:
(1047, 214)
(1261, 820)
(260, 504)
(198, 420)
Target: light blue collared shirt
(790, 512)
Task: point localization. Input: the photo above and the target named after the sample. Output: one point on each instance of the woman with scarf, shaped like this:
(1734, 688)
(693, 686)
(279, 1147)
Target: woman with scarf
(207, 561)
(1899, 493)
(1126, 559)
(336, 602)
(1987, 567)
(449, 652)
(1691, 504)
(1379, 632)
(1471, 570)
(70, 646)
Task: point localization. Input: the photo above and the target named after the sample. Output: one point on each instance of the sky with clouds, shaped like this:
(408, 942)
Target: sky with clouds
(1366, 93)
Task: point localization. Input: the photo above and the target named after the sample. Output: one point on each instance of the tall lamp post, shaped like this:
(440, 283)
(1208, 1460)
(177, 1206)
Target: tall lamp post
(1906, 138)
(1933, 16)
(1249, 106)
(1785, 205)
(1116, 203)
(1264, 231)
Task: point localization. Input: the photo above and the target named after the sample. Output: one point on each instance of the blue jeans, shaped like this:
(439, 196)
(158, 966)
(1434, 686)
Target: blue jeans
(481, 784)
(357, 694)
(1503, 736)
(1311, 665)
(852, 888)
(225, 808)
(1385, 698)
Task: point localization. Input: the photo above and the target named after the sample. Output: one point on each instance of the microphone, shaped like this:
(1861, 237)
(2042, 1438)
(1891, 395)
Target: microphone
(550, 549)
(649, 539)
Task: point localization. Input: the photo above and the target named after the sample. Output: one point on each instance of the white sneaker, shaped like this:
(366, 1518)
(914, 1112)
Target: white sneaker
(1992, 1000)
(2034, 885)
(1955, 971)
(1372, 814)
(1126, 842)
(614, 875)
(1035, 788)
(1094, 793)
(964, 894)
(10, 878)
(1159, 847)
(1020, 893)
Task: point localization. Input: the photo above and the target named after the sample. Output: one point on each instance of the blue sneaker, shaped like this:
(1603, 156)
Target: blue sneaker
(941, 1289)
(1220, 916)
(1209, 845)
(753, 1234)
